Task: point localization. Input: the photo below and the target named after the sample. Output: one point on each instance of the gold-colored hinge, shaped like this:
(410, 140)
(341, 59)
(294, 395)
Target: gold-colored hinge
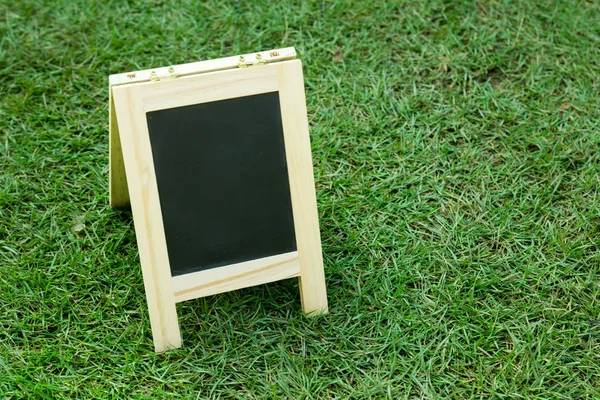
(257, 59)
(161, 75)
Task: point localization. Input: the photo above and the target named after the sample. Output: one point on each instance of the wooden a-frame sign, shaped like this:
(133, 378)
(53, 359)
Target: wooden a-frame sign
(214, 158)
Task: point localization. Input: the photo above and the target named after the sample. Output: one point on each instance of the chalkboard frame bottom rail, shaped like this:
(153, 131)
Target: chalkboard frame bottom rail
(236, 276)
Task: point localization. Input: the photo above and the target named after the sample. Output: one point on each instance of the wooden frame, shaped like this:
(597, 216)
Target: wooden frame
(133, 179)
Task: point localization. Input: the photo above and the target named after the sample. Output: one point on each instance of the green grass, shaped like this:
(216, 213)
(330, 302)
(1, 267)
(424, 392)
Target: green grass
(456, 149)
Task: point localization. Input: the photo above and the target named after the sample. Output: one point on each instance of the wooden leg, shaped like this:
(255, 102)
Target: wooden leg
(302, 188)
(163, 318)
(118, 191)
(147, 218)
(313, 295)
(313, 291)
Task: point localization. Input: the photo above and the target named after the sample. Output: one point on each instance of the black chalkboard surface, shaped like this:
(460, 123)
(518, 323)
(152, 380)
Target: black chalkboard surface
(223, 182)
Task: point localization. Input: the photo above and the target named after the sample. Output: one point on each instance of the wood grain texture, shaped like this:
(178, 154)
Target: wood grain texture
(313, 291)
(117, 181)
(220, 64)
(212, 86)
(236, 276)
(147, 216)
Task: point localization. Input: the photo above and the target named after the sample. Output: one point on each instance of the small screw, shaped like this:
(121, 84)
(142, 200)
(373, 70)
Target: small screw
(258, 56)
(242, 59)
(171, 70)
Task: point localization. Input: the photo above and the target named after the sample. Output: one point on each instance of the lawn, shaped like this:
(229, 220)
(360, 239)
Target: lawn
(456, 149)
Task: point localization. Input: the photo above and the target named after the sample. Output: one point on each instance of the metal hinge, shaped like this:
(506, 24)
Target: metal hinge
(163, 74)
(257, 59)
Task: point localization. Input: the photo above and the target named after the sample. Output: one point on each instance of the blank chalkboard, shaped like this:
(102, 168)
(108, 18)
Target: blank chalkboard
(215, 159)
(222, 181)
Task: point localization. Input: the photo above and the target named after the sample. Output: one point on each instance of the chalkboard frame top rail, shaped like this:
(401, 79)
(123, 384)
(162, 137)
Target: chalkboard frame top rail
(133, 163)
(219, 64)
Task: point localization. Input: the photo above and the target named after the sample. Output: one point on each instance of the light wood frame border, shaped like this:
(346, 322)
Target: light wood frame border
(130, 140)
